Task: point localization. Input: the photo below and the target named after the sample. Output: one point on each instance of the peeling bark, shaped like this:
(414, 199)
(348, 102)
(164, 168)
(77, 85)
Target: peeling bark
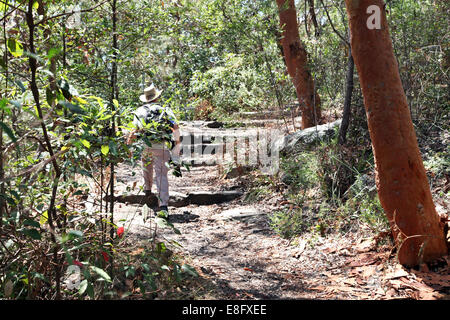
(401, 179)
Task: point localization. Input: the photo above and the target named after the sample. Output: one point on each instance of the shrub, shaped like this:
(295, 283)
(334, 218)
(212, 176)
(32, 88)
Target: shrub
(233, 86)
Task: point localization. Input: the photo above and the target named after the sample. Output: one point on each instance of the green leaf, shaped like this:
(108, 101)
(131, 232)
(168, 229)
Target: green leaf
(2, 61)
(189, 270)
(164, 267)
(90, 290)
(53, 52)
(31, 223)
(44, 218)
(83, 287)
(80, 100)
(15, 103)
(67, 254)
(161, 247)
(105, 150)
(113, 148)
(36, 5)
(72, 107)
(86, 143)
(3, 105)
(76, 233)
(20, 85)
(50, 96)
(8, 131)
(15, 47)
(176, 243)
(163, 223)
(32, 233)
(101, 273)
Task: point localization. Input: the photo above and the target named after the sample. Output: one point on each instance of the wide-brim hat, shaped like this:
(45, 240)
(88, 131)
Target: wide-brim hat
(150, 94)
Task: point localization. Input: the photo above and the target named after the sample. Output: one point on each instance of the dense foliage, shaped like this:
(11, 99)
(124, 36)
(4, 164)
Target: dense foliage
(70, 80)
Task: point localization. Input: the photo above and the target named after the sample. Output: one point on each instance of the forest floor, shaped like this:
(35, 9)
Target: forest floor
(238, 256)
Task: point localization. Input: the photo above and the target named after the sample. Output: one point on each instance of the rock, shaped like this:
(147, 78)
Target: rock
(238, 214)
(177, 200)
(307, 136)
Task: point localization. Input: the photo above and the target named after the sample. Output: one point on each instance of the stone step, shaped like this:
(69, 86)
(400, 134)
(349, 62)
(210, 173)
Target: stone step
(192, 136)
(200, 198)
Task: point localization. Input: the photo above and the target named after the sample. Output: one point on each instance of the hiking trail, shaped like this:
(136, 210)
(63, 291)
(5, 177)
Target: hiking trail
(238, 256)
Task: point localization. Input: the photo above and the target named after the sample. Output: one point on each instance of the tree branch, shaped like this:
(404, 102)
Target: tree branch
(38, 167)
(13, 9)
(332, 25)
(69, 13)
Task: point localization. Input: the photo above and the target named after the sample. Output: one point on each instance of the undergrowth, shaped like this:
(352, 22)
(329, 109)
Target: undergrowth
(327, 188)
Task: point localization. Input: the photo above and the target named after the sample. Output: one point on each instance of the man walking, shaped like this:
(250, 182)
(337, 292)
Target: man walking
(158, 127)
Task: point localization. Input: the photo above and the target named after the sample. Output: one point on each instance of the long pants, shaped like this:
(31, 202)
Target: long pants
(156, 159)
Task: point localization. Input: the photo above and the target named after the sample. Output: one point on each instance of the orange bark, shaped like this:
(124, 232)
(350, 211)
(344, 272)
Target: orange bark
(296, 62)
(401, 179)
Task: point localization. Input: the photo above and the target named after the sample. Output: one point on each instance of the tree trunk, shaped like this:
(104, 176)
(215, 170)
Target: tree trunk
(3, 94)
(52, 214)
(312, 12)
(296, 62)
(348, 99)
(114, 95)
(401, 179)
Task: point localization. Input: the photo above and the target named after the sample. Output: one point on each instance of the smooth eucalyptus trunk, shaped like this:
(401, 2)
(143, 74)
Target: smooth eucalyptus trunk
(401, 179)
(296, 61)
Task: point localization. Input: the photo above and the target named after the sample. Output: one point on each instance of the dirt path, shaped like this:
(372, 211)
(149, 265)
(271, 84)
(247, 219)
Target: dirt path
(230, 244)
(238, 256)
